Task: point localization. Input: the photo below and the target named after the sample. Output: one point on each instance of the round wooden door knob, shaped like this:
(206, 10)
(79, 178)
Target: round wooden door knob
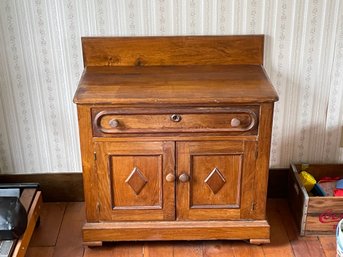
(184, 177)
(170, 177)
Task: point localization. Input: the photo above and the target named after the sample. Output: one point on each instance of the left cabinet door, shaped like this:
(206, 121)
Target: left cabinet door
(135, 180)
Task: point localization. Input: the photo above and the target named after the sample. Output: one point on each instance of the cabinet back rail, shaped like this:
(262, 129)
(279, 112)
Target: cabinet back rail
(173, 50)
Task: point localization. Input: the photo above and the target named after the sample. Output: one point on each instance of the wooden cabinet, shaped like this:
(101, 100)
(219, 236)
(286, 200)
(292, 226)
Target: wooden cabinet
(175, 146)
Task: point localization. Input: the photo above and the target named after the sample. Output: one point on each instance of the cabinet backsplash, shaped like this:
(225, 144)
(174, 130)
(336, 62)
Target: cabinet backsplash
(41, 62)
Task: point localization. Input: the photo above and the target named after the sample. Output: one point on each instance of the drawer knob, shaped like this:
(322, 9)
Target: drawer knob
(113, 123)
(175, 117)
(235, 122)
(170, 177)
(184, 177)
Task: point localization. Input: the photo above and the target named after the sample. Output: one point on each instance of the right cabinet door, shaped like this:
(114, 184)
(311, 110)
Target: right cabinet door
(215, 180)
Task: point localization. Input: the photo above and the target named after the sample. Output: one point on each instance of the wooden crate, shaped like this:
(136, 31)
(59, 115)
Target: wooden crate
(32, 201)
(314, 215)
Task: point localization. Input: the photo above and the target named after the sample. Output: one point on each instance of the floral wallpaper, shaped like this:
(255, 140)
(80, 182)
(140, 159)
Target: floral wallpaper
(41, 62)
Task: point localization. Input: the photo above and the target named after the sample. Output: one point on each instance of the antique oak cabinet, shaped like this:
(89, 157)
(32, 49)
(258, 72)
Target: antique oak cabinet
(175, 138)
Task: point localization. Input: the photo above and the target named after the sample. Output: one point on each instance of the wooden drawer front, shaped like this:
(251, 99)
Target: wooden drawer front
(106, 122)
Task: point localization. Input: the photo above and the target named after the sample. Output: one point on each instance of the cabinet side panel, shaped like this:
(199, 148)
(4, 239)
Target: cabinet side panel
(248, 180)
(89, 175)
(175, 50)
(262, 162)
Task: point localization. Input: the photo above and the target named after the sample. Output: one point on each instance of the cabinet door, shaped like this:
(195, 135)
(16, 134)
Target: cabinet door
(214, 180)
(132, 180)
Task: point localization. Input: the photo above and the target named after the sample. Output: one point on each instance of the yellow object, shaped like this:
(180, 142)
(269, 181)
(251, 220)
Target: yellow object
(308, 180)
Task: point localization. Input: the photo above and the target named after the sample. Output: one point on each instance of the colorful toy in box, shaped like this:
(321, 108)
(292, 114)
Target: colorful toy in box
(307, 180)
(327, 186)
(339, 188)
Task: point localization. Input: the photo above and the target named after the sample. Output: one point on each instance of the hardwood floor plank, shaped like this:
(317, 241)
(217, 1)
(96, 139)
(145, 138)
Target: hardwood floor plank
(279, 241)
(189, 249)
(329, 245)
(61, 226)
(129, 249)
(158, 249)
(50, 222)
(243, 249)
(102, 251)
(69, 241)
(315, 248)
(286, 216)
(40, 252)
(300, 248)
(299, 244)
(217, 249)
(126, 249)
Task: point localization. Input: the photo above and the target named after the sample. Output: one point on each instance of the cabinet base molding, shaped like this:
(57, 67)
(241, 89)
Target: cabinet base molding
(257, 231)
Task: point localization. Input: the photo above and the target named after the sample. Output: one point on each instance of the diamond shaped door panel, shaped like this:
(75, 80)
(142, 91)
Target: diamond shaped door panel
(214, 188)
(134, 187)
(132, 184)
(218, 186)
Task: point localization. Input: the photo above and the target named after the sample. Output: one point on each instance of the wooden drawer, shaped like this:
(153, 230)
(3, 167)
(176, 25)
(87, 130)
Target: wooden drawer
(107, 121)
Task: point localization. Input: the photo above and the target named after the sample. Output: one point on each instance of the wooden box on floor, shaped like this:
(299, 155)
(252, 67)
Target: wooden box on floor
(315, 215)
(32, 201)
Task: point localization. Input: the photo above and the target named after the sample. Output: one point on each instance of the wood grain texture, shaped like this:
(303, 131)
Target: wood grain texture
(46, 251)
(181, 230)
(69, 242)
(50, 221)
(32, 217)
(119, 201)
(119, 250)
(262, 161)
(328, 244)
(181, 50)
(315, 215)
(216, 120)
(301, 246)
(27, 197)
(196, 200)
(323, 246)
(139, 92)
(190, 249)
(249, 179)
(87, 152)
(298, 200)
(174, 85)
(322, 170)
(279, 245)
(217, 249)
(157, 249)
(243, 249)
(315, 248)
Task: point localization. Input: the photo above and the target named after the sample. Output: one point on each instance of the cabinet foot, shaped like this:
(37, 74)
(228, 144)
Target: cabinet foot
(259, 241)
(93, 243)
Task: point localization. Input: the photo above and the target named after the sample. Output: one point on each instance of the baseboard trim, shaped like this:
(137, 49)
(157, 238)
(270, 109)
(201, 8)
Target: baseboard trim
(55, 187)
(68, 187)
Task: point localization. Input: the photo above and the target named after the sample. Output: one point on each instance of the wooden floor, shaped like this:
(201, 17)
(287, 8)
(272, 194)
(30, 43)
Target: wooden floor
(59, 234)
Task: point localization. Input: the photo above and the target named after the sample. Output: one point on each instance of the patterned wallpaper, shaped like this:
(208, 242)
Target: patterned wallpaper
(41, 62)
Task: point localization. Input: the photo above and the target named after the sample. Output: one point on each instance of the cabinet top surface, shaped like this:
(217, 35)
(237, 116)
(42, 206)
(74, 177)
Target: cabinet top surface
(188, 84)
